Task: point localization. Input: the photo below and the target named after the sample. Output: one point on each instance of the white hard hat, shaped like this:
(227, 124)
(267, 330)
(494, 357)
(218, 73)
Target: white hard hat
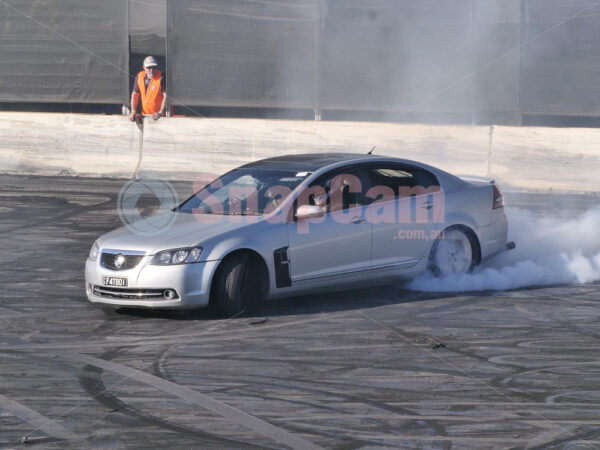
(150, 61)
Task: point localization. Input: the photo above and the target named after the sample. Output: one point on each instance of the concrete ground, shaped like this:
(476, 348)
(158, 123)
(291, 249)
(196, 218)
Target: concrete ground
(384, 368)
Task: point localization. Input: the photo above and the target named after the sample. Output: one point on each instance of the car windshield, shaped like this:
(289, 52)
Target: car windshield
(244, 191)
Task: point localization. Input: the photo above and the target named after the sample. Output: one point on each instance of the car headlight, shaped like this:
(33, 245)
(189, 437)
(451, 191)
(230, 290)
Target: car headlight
(94, 252)
(177, 256)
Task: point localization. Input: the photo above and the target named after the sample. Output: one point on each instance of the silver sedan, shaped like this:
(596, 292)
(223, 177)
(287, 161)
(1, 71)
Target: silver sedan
(298, 224)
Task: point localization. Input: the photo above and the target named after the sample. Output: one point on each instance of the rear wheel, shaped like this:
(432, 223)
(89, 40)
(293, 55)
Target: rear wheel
(453, 253)
(237, 284)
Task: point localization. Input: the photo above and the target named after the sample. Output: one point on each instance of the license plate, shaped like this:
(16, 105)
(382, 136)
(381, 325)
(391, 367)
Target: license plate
(114, 281)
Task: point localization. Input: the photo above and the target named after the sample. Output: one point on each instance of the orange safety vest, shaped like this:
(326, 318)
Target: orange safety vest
(152, 99)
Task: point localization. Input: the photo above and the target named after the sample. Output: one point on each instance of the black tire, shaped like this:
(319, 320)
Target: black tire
(236, 285)
(454, 253)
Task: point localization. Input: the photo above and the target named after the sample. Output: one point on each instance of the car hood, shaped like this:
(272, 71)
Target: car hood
(186, 230)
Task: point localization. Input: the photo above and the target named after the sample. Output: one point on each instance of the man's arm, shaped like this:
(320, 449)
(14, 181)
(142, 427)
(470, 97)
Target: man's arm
(156, 116)
(135, 96)
(163, 104)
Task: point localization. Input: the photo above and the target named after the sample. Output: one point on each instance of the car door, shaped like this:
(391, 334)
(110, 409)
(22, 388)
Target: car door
(337, 244)
(406, 203)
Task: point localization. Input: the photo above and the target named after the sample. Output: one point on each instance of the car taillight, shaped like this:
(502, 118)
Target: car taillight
(498, 198)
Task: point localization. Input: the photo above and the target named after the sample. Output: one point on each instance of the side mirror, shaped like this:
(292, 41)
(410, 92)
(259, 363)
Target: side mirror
(309, 212)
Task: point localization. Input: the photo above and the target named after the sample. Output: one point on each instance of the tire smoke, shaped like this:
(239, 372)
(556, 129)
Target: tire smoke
(550, 251)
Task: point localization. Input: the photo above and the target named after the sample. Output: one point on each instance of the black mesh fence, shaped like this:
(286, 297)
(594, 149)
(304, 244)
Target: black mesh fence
(64, 51)
(336, 54)
(561, 61)
(390, 55)
(241, 53)
(486, 58)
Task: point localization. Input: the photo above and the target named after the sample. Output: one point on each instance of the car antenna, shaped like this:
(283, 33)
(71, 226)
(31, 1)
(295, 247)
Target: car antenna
(371, 151)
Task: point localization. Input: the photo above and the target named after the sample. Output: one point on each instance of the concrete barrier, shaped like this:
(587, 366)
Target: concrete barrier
(96, 145)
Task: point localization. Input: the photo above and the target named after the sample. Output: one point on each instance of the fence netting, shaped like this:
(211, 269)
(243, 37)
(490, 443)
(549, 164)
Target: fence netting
(64, 51)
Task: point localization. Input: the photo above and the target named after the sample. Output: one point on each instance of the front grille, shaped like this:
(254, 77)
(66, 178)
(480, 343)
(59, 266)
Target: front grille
(132, 294)
(109, 260)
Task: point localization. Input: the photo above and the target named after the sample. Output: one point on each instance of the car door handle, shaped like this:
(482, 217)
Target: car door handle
(427, 205)
(357, 220)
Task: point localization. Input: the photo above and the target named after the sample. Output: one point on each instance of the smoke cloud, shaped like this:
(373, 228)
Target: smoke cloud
(550, 251)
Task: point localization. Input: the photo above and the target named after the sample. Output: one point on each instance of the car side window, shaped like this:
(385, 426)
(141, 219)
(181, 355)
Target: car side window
(388, 182)
(339, 190)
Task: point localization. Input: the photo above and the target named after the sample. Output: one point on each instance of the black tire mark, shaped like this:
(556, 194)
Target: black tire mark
(73, 211)
(90, 379)
(427, 425)
(159, 368)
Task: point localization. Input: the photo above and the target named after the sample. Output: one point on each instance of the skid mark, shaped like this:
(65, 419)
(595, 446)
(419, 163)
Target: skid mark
(204, 401)
(37, 420)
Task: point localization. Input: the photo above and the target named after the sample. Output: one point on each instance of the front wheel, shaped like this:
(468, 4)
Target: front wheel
(236, 285)
(452, 254)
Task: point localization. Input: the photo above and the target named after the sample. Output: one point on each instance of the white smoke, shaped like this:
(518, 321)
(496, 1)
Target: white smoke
(549, 251)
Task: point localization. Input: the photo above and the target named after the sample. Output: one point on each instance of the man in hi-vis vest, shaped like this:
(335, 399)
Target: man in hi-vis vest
(150, 85)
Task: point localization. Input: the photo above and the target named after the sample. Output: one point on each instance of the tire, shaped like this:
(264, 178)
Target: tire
(236, 285)
(453, 253)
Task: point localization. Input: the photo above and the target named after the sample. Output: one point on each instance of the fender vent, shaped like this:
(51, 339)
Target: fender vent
(282, 268)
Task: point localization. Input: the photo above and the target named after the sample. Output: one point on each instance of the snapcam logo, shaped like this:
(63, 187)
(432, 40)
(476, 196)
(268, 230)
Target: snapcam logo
(145, 205)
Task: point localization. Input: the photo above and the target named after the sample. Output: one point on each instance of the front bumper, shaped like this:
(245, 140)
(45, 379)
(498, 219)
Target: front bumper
(147, 285)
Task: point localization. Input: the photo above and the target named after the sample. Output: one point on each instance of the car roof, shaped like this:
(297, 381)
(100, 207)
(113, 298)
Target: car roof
(308, 161)
(313, 162)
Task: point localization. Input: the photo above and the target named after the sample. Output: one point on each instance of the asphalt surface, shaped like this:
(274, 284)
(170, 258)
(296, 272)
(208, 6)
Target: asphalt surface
(372, 368)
